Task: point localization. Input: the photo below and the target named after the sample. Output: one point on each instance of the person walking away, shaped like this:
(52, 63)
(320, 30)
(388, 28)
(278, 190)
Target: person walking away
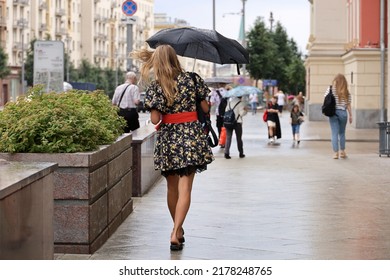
(281, 100)
(253, 99)
(126, 97)
(218, 100)
(338, 122)
(239, 111)
(296, 119)
(273, 122)
(181, 148)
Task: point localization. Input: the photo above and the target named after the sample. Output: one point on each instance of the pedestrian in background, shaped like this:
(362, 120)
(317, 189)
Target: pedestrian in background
(273, 122)
(181, 148)
(219, 102)
(281, 100)
(338, 122)
(254, 100)
(239, 108)
(126, 97)
(296, 119)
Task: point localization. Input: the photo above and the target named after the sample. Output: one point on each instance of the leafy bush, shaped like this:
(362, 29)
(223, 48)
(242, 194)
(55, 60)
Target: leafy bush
(75, 121)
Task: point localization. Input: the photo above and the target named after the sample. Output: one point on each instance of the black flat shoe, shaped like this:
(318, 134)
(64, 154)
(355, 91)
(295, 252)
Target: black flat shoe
(182, 239)
(242, 155)
(176, 246)
(227, 156)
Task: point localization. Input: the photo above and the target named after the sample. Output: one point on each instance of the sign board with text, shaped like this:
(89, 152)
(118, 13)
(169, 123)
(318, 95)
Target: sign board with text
(49, 65)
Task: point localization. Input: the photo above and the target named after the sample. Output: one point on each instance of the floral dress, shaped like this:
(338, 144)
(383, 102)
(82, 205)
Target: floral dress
(181, 148)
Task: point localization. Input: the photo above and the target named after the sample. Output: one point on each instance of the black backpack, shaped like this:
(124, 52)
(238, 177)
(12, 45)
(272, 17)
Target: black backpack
(329, 105)
(229, 119)
(222, 104)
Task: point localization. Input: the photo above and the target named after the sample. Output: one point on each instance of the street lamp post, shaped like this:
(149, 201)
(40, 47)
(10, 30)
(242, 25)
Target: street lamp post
(68, 39)
(243, 35)
(22, 23)
(214, 65)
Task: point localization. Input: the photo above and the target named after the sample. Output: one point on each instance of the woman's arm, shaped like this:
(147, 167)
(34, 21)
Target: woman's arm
(349, 112)
(205, 106)
(155, 116)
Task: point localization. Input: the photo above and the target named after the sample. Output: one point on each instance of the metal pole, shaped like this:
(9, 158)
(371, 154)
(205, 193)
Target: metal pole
(129, 46)
(214, 65)
(382, 42)
(67, 61)
(22, 25)
(243, 37)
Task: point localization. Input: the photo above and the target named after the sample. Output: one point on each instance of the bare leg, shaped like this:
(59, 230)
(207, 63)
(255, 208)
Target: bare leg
(182, 205)
(172, 194)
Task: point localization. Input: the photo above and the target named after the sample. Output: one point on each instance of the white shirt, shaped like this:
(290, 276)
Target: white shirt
(130, 98)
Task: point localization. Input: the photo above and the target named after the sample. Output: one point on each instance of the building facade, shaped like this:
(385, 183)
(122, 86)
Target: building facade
(95, 30)
(345, 37)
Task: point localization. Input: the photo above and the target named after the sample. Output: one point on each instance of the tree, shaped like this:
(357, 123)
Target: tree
(29, 65)
(4, 69)
(262, 51)
(274, 56)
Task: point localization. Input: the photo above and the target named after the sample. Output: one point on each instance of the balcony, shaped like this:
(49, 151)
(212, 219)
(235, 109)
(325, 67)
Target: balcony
(60, 12)
(3, 21)
(21, 2)
(61, 31)
(42, 5)
(101, 36)
(17, 46)
(21, 23)
(43, 27)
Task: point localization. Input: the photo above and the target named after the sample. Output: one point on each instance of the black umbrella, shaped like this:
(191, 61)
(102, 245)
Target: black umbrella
(201, 44)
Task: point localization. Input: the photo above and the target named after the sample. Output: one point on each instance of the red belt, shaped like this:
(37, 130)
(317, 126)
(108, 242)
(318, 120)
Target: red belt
(180, 117)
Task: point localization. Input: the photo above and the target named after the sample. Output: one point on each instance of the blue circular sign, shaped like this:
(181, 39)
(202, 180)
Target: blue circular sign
(129, 7)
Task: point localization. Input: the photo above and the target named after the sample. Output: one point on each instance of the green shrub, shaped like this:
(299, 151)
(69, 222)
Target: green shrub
(75, 121)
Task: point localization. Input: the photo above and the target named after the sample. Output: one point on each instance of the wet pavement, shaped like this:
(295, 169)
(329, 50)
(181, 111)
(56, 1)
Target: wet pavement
(280, 202)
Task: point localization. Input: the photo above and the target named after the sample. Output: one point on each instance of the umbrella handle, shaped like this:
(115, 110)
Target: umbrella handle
(193, 67)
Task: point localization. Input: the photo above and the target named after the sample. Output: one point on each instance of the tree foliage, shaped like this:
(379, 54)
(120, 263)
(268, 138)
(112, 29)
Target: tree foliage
(4, 69)
(273, 55)
(75, 121)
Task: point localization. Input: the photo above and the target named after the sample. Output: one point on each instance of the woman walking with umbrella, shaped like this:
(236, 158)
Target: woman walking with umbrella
(181, 148)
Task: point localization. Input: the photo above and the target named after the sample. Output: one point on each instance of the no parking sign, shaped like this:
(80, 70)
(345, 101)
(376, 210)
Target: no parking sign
(129, 7)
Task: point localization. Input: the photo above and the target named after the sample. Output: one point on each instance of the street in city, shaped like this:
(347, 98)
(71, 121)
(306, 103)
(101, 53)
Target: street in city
(280, 202)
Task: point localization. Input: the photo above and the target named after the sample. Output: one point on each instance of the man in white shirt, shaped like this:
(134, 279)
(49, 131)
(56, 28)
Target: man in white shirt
(127, 97)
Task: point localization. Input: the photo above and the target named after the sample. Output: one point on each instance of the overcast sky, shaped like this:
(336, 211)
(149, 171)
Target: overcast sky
(294, 15)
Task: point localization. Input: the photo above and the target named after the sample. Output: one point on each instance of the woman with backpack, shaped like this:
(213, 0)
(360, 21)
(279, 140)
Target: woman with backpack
(238, 107)
(338, 121)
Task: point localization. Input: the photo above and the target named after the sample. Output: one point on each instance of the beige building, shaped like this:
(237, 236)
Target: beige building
(345, 38)
(90, 29)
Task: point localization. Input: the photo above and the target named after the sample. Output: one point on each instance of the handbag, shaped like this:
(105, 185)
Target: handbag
(265, 116)
(222, 137)
(204, 119)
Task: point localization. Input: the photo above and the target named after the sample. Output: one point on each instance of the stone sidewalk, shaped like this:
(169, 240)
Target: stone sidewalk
(280, 202)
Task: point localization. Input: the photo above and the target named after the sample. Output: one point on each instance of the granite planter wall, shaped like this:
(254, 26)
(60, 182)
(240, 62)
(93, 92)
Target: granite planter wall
(144, 174)
(92, 194)
(26, 210)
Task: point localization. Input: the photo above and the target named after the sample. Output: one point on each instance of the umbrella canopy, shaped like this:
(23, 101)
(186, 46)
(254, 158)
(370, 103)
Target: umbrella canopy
(241, 91)
(216, 81)
(203, 44)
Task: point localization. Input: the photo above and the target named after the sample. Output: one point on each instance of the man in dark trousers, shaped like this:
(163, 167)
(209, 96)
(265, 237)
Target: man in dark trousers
(127, 97)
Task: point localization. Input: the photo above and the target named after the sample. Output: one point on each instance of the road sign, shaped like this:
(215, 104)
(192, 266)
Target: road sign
(272, 83)
(129, 20)
(129, 7)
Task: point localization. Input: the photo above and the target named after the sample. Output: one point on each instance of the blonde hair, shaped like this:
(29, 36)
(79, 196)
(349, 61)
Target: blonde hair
(164, 65)
(341, 85)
